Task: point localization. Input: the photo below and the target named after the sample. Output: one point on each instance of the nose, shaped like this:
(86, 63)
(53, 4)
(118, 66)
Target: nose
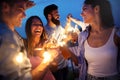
(39, 27)
(58, 16)
(24, 15)
(81, 14)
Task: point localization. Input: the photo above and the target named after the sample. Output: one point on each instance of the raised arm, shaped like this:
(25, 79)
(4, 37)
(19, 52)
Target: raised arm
(78, 22)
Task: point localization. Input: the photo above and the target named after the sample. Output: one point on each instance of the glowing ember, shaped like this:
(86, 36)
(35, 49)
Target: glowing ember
(62, 43)
(19, 58)
(46, 56)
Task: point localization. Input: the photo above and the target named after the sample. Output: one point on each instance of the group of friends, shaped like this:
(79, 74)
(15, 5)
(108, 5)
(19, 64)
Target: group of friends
(94, 52)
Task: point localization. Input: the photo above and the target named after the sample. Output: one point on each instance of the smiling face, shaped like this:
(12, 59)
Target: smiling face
(88, 13)
(14, 14)
(36, 27)
(19, 14)
(55, 17)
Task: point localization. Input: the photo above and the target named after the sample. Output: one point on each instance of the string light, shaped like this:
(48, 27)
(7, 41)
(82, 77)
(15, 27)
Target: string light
(19, 58)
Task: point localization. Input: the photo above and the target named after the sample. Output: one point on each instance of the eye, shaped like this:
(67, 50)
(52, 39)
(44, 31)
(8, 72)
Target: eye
(37, 25)
(20, 10)
(84, 8)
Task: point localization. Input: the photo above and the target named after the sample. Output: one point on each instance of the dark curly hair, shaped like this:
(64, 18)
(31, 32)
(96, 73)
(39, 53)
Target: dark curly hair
(48, 9)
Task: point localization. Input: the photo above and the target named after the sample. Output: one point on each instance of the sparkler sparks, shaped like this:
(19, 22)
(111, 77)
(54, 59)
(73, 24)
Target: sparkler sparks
(46, 56)
(60, 39)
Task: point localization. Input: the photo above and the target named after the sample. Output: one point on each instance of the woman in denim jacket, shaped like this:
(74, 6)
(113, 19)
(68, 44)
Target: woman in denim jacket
(99, 44)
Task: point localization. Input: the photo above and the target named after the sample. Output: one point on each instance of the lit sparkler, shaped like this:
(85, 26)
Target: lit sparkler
(47, 56)
(60, 39)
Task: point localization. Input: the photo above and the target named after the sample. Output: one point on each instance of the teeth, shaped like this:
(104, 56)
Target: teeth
(37, 30)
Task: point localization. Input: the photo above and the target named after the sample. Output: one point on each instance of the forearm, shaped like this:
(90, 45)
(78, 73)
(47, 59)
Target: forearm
(39, 72)
(54, 66)
(78, 22)
(69, 54)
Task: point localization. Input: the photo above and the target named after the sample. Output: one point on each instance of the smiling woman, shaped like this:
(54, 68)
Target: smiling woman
(37, 28)
(35, 40)
(35, 33)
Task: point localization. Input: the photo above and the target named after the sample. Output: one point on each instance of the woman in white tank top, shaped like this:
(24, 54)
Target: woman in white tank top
(101, 42)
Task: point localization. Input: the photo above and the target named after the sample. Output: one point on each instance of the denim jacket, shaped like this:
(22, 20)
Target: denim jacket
(82, 62)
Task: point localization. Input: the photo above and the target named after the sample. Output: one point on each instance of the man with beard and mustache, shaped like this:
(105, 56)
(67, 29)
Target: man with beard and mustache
(53, 23)
(55, 30)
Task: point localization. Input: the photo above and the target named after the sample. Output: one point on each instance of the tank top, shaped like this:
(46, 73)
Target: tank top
(102, 61)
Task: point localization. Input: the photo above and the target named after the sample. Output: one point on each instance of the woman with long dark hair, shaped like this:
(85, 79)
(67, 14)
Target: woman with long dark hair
(35, 40)
(99, 44)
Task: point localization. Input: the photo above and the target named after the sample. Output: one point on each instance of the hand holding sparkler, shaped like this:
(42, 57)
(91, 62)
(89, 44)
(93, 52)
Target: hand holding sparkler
(69, 16)
(49, 55)
(52, 43)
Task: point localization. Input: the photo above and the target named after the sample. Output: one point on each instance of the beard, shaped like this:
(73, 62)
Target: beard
(55, 21)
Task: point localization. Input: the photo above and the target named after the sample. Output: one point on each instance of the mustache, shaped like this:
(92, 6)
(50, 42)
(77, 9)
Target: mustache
(56, 21)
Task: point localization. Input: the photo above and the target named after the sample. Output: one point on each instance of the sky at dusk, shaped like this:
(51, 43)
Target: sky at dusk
(64, 7)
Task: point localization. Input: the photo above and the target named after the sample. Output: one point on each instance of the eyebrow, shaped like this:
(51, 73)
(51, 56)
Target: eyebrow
(22, 6)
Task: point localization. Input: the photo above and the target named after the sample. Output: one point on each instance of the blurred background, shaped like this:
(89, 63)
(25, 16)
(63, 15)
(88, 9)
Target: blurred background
(65, 7)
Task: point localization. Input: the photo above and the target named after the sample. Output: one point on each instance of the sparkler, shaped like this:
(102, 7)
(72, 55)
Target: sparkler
(54, 41)
(60, 39)
(46, 54)
(47, 57)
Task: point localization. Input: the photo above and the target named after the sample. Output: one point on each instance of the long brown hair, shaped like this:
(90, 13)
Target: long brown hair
(105, 11)
(29, 41)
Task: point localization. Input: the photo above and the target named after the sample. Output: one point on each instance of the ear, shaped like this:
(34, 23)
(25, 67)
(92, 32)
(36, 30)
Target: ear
(97, 9)
(5, 7)
(49, 16)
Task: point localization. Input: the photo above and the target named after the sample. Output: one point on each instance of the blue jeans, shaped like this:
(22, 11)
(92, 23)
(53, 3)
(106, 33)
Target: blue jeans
(91, 77)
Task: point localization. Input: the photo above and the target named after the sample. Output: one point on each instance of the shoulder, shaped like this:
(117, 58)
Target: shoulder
(117, 36)
(61, 28)
(85, 33)
(117, 31)
(47, 27)
(6, 34)
(8, 40)
(25, 41)
(4, 29)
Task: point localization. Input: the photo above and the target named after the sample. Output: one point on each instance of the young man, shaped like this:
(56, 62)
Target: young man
(55, 30)
(14, 64)
(53, 23)
(53, 27)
